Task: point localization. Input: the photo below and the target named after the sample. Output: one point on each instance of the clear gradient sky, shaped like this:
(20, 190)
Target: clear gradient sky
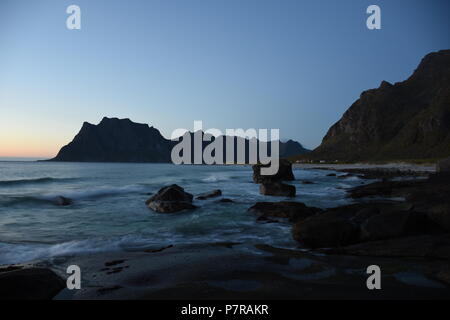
(294, 65)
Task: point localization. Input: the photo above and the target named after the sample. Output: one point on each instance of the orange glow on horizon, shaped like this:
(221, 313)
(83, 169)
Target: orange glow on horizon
(32, 147)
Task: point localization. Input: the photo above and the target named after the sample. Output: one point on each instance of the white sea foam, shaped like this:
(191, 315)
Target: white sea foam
(18, 253)
(216, 177)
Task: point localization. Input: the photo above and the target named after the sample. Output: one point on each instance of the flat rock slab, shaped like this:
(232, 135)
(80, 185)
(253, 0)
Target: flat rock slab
(427, 246)
(30, 284)
(249, 272)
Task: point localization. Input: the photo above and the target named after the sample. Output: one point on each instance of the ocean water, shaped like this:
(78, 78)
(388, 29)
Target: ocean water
(109, 211)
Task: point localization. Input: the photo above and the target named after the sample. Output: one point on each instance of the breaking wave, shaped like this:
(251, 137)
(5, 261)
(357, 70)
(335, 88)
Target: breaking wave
(74, 195)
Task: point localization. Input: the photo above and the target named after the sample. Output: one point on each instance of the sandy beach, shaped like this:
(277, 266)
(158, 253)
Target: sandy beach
(367, 166)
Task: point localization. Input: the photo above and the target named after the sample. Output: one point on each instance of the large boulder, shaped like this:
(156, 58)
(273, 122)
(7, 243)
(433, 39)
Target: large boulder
(321, 232)
(211, 194)
(440, 214)
(29, 284)
(443, 166)
(294, 211)
(171, 199)
(396, 224)
(277, 189)
(284, 173)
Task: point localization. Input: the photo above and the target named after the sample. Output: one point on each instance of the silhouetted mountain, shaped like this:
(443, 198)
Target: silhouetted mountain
(405, 120)
(116, 140)
(121, 140)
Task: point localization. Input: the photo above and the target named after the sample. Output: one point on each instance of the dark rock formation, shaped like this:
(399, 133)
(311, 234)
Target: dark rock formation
(225, 200)
(63, 201)
(211, 194)
(439, 213)
(385, 188)
(425, 212)
(284, 173)
(443, 166)
(425, 246)
(383, 173)
(428, 196)
(317, 232)
(277, 189)
(294, 211)
(171, 199)
(334, 227)
(405, 120)
(30, 284)
(423, 193)
(396, 224)
(121, 140)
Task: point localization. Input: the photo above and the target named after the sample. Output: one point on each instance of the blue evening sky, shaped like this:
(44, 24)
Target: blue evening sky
(296, 65)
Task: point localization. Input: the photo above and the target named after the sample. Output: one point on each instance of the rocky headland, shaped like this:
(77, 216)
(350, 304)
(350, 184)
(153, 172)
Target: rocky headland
(400, 121)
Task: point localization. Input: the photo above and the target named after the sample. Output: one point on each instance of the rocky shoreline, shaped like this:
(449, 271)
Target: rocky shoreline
(244, 272)
(408, 238)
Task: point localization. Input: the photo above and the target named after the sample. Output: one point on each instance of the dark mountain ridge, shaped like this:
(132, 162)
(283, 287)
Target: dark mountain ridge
(121, 140)
(405, 120)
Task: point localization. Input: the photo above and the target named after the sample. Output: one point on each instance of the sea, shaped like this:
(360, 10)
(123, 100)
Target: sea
(109, 212)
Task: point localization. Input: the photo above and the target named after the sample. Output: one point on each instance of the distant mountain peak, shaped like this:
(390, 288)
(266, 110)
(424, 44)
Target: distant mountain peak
(385, 84)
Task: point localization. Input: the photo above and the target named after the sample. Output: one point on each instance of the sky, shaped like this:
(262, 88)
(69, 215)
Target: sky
(294, 65)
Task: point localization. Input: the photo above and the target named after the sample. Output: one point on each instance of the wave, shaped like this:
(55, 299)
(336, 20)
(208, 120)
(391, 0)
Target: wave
(216, 178)
(14, 200)
(11, 253)
(74, 195)
(99, 192)
(33, 181)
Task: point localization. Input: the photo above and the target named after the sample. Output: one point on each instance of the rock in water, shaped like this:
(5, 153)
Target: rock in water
(63, 201)
(207, 195)
(171, 199)
(294, 211)
(225, 200)
(277, 189)
(284, 173)
(30, 284)
(443, 166)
